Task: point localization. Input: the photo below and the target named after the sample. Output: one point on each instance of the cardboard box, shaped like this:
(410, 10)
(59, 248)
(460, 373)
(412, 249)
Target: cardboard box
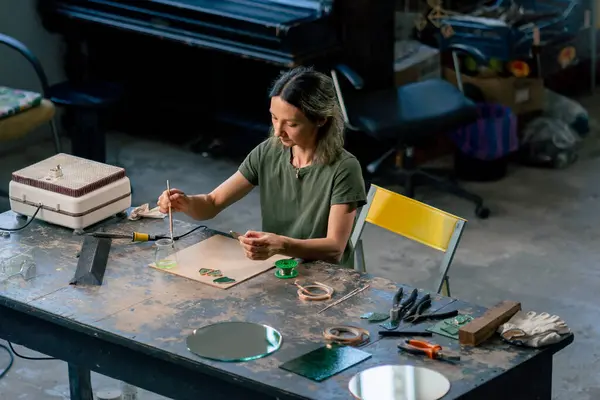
(438, 148)
(522, 95)
(415, 62)
(404, 24)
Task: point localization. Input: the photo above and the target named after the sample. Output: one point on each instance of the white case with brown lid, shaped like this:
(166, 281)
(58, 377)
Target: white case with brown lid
(73, 192)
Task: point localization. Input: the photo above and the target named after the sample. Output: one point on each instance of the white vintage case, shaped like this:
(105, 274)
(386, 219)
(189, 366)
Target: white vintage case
(73, 192)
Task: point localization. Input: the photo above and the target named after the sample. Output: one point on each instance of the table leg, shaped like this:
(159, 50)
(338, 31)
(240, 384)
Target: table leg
(531, 380)
(88, 138)
(80, 383)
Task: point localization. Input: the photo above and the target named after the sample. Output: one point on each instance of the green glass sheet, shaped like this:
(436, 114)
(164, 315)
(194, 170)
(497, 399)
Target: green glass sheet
(325, 362)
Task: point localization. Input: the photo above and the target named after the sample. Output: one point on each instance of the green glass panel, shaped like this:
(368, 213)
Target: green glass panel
(325, 361)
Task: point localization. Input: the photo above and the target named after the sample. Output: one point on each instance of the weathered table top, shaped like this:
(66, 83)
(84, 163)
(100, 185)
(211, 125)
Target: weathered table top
(152, 311)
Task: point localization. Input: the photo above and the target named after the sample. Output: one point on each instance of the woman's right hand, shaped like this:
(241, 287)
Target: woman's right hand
(178, 200)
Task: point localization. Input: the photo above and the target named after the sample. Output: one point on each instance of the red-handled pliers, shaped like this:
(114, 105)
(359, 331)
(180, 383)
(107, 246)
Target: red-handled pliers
(433, 351)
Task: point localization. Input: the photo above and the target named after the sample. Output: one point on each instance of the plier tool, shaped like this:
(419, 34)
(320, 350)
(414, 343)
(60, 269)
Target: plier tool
(433, 351)
(415, 314)
(400, 308)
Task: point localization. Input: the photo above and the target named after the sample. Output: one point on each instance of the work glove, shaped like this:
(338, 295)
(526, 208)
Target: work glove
(144, 211)
(534, 330)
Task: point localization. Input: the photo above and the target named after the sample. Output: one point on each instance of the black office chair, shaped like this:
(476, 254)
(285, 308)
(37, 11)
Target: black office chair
(37, 66)
(408, 116)
(89, 102)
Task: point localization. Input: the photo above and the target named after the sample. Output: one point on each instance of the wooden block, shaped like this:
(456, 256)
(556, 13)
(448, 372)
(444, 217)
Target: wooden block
(480, 329)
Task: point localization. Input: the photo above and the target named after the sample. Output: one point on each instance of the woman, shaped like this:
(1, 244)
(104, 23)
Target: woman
(310, 186)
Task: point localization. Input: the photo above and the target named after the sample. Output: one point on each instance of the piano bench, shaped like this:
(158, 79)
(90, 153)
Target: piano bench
(87, 103)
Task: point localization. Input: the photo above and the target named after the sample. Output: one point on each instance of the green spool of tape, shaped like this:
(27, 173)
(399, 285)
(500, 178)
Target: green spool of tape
(286, 269)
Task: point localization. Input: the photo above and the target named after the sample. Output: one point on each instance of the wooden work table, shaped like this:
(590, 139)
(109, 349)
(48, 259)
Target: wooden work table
(134, 326)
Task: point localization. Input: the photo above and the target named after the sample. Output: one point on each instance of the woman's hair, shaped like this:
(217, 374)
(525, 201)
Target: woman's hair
(313, 93)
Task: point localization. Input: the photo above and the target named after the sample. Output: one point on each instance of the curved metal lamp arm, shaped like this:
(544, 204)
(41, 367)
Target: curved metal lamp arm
(33, 60)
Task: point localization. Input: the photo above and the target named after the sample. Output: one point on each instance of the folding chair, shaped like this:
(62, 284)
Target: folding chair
(414, 220)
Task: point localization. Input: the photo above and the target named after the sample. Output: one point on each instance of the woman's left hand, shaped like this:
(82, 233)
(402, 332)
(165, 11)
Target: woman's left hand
(261, 245)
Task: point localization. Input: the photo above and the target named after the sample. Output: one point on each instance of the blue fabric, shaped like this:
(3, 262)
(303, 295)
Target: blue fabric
(492, 136)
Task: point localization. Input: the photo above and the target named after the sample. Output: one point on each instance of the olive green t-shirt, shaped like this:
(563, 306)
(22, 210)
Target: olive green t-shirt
(298, 207)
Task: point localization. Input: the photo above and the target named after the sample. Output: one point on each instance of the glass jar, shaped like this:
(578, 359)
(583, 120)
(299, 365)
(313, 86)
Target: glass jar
(129, 391)
(15, 262)
(165, 254)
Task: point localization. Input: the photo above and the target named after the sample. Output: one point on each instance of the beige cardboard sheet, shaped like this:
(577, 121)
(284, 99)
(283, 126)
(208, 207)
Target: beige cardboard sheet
(218, 252)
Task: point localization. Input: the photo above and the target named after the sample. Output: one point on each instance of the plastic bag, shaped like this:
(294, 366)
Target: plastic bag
(549, 142)
(568, 111)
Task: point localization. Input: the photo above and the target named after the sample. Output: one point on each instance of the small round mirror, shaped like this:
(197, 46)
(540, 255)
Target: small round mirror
(234, 341)
(399, 382)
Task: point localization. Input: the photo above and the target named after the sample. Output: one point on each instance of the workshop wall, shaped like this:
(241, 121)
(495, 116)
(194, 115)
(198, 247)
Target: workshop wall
(19, 19)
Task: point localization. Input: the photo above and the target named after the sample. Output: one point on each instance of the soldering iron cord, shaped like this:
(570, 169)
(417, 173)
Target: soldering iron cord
(28, 358)
(11, 360)
(188, 232)
(39, 207)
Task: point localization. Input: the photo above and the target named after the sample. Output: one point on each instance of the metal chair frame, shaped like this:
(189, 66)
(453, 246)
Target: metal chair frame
(452, 238)
(39, 70)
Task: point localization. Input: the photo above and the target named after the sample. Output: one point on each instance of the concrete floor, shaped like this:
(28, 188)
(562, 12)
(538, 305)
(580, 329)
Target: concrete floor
(539, 247)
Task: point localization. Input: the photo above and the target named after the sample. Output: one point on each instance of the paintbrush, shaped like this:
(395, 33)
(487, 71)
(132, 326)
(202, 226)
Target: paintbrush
(170, 214)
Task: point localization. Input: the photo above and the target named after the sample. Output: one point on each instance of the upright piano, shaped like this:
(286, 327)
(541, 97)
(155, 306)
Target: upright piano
(208, 60)
(282, 32)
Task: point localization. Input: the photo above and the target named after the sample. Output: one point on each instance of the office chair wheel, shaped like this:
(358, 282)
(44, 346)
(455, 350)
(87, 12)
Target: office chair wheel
(482, 212)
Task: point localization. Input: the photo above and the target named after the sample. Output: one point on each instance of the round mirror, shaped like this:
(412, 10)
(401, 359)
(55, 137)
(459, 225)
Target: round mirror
(234, 341)
(398, 382)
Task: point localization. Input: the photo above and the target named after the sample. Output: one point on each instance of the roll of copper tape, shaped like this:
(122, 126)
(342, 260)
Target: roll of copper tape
(334, 334)
(308, 292)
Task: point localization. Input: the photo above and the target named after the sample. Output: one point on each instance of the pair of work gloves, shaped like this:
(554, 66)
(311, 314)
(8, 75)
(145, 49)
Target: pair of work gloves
(534, 330)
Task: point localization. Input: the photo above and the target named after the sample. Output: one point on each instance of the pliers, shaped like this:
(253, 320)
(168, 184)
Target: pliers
(418, 307)
(399, 309)
(416, 315)
(433, 351)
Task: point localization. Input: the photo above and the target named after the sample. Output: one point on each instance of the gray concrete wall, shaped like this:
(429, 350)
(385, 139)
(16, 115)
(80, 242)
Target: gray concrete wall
(19, 19)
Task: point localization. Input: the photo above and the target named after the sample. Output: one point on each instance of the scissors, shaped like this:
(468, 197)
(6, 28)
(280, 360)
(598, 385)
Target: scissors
(433, 351)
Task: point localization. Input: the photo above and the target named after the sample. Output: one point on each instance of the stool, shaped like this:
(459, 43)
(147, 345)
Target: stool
(87, 101)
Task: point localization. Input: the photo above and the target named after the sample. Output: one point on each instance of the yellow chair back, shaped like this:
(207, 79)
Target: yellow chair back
(412, 219)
